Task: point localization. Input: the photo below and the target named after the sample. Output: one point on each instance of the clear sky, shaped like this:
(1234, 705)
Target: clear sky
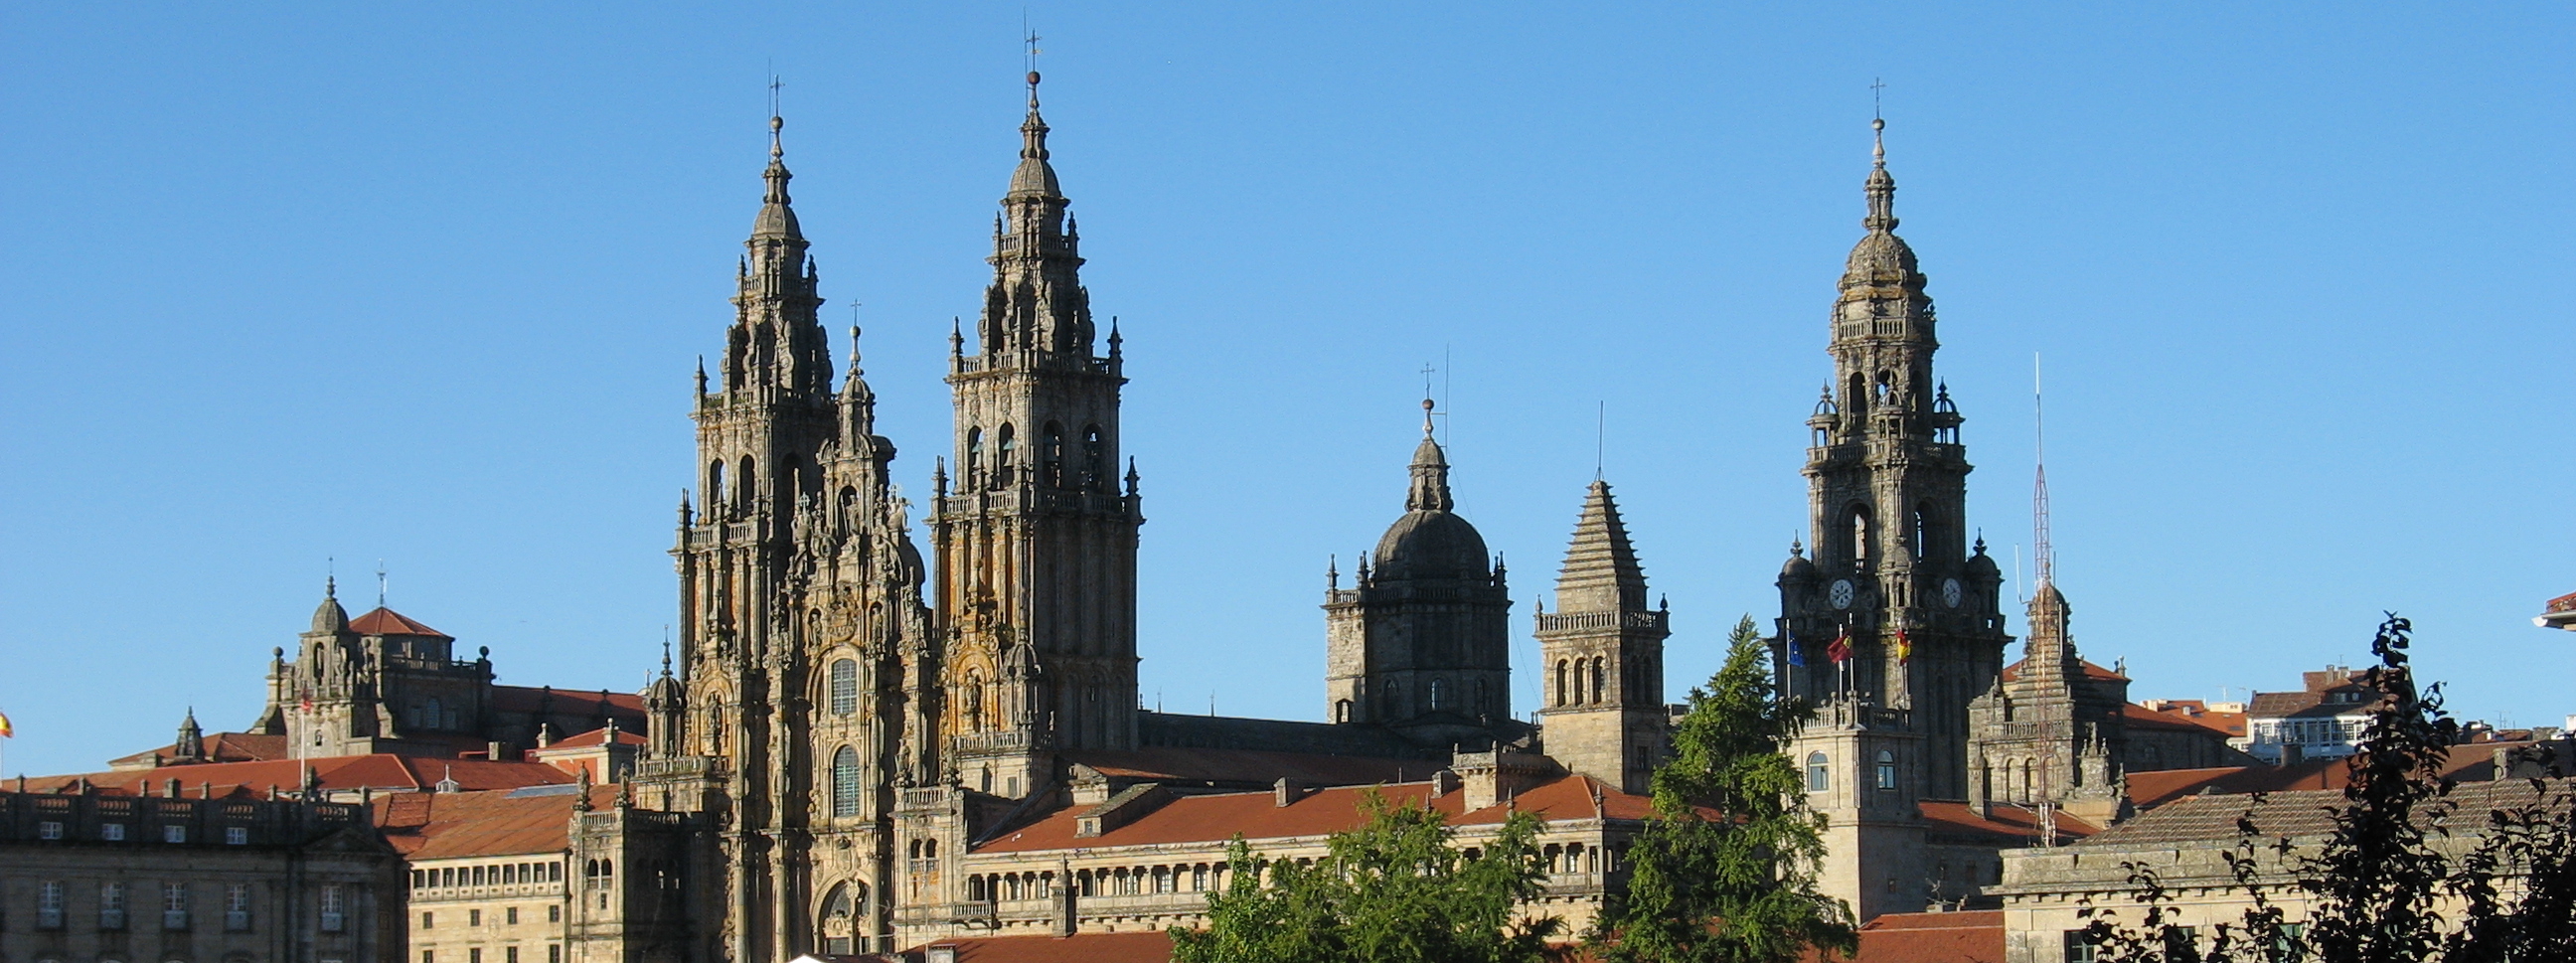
(425, 284)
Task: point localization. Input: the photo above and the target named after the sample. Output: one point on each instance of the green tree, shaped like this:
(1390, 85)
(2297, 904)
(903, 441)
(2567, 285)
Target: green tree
(2379, 886)
(1395, 890)
(1725, 871)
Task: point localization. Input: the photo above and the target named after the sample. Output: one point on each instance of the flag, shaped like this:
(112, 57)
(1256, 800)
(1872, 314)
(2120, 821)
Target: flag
(5, 731)
(1904, 648)
(1797, 653)
(1839, 650)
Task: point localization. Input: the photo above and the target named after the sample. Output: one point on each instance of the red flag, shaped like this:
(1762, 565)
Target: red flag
(1839, 650)
(1904, 648)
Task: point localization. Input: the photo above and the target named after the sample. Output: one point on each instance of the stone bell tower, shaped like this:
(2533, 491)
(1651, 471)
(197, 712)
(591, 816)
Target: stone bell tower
(1036, 542)
(1602, 656)
(1893, 626)
(804, 640)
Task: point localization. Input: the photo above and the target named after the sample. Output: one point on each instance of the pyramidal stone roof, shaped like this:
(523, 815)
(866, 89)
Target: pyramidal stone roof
(1601, 572)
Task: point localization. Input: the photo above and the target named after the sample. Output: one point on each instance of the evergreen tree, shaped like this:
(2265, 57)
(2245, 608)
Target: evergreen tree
(1725, 871)
(1395, 890)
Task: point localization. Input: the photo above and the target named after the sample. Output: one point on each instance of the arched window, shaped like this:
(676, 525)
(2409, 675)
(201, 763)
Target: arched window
(930, 849)
(1820, 776)
(1923, 531)
(715, 487)
(1342, 711)
(1004, 444)
(1858, 396)
(839, 926)
(2030, 779)
(1599, 688)
(1095, 458)
(845, 687)
(974, 477)
(1436, 690)
(1051, 456)
(1560, 682)
(747, 487)
(845, 782)
(1395, 700)
(435, 713)
(1886, 770)
(1860, 538)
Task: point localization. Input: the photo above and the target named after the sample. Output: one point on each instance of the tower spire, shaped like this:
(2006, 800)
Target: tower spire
(1430, 489)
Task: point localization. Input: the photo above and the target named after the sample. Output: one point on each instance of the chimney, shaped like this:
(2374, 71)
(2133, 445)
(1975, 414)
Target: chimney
(1286, 791)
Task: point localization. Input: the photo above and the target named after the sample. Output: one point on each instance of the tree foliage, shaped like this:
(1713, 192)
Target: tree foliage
(2379, 887)
(1725, 871)
(1395, 890)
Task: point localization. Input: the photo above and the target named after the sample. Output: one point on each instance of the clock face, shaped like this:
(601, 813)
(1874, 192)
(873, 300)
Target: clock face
(1950, 592)
(1840, 593)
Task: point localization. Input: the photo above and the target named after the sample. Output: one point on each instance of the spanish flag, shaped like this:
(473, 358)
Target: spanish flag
(1904, 648)
(5, 731)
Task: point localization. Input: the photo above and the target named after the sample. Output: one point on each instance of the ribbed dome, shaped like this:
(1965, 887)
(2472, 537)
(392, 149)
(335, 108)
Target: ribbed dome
(1798, 568)
(1428, 544)
(1880, 258)
(329, 617)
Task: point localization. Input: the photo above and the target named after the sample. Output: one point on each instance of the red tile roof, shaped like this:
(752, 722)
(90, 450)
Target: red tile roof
(2091, 671)
(1976, 937)
(338, 773)
(594, 737)
(1146, 947)
(220, 747)
(2137, 716)
(1170, 765)
(462, 824)
(2152, 789)
(385, 621)
(566, 702)
(2009, 826)
(1216, 818)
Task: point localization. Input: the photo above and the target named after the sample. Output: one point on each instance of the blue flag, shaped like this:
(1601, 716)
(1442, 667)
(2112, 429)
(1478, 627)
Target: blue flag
(1797, 653)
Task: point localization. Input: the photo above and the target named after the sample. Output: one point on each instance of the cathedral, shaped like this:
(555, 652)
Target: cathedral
(871, 735)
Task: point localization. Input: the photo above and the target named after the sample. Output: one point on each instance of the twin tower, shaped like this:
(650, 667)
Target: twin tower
(842, 704)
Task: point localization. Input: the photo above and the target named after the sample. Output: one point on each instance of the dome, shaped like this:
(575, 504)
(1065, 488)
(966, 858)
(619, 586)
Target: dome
(776, 220)
(1982, 565)
(1034, 178)
(1431, 544)
(1880, 257)
(329, 618)
(1798, 569)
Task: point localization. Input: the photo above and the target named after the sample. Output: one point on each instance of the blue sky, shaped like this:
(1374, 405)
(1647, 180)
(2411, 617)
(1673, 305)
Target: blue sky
(425, 284)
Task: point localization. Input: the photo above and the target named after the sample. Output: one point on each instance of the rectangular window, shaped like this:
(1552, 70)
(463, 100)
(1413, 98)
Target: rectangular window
(511, 916)
(2291, 946)
(554, 912)
(2078, 949)
(2181, 943)
(474, 917)
(174, 834)
(49, 904)
(236, 835)
(429, 956)
(474, 955)
(335, 915)
(509, 954)
(49, 830)
(111, 906)
(427, 918)
(554, 872)
(237, 908)
(554, 953)
(112, 832)
(174, 906)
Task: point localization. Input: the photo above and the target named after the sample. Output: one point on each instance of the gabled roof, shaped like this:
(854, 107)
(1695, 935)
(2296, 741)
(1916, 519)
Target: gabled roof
(1258, 816)
(2136, 716)
(2091, 671)
(385, 621)
(594, 737)
(218, 747)
(1976, 937)
(382, 771)
(2008, 826)
(2149, 790)
(1150, 946)
(566, 702)
(1214, 766)
(465, 824)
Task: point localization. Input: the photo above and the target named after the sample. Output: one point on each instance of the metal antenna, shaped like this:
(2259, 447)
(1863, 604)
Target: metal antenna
(1600, 436)
(2043, 556)
(380, 583)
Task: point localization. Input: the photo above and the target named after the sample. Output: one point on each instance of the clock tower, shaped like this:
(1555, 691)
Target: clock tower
(1891, 625)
